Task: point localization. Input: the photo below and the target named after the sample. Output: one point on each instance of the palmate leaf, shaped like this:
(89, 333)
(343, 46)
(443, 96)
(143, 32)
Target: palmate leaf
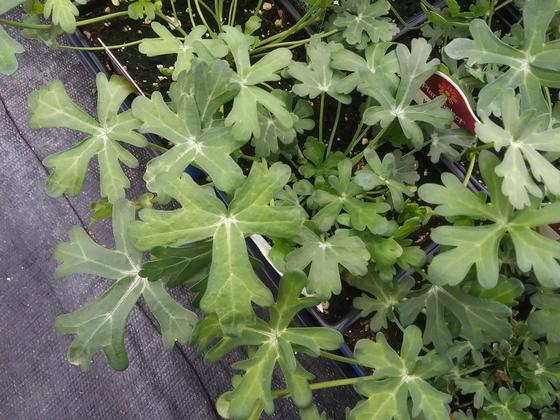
(273, 133)
(195, 45)
(63, 13)
(324, 255)
(101, 324)
(366, 72)
(317, 76)
(541, 374)
(9, 48)
(479, 245)
(397, 173)
(232, 283)
(508, 405)
(481, 320)
(391, 251)
(397, 378)
(545, 321)
(344, 194)
(382, 300)
(319, 164)
(446, 142)
(364, 22)
(414, 69)
(275, 343)
(210, 147)
(531, 67)
(52, 107)
(523, 136)
(243, 115)
(142, 8)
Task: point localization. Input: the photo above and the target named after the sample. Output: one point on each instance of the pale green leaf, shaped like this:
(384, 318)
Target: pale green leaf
(101, 324)
(9, 47)
(317, 76)
(414, 69)
(364, 20)
(209, 148)
(63, 13)
(195, 45)
(243, 114)
(508, 405)
(445, 143)
(523, 136)
(323, 256)
(385, 297)
(276, 344)
(342, 193)
(479, 245)
(232, 283)
(396, 173)
(481, 320)
(545, 320)
(142, 8)
(530, 67)
(368, 71)
(52, 107)
(398, 378)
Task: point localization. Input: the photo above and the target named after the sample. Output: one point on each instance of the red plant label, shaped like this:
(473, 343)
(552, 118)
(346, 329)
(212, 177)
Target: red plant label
(440, 84)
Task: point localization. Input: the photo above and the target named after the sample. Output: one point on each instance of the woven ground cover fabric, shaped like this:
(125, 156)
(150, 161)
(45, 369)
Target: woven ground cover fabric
(36, 381)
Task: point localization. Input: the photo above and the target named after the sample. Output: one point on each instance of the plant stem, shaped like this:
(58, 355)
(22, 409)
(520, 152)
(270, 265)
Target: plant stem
(172, 23)
(174, 10)
(377, 137)
(474, 369)
(291, 44)
(48, 26)
(338, 358)
(470, 169)
(398, 16)
(218, 10)
(321, 115)
(334, 128)
(247, 157)
(258, 8)
(232, 12)
(191, 16)
(109, 47)
(505, 3)
(320, 385)
(157, 147)
(101, 18)
(202, 18)
(304, 21)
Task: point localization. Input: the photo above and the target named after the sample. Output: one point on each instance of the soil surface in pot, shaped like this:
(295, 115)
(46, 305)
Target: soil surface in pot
(143, 69)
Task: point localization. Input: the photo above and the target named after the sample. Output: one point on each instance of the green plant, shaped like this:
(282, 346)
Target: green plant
(470, 332)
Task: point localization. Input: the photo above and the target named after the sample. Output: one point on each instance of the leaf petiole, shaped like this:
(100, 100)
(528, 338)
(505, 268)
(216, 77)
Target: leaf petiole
(334, 128)
(320, 385)
(338, 358)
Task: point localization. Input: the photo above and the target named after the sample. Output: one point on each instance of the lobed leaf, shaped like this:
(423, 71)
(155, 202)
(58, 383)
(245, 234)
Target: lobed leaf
(479, 245)
(52, 107)
(101, 323)
(232, 283)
